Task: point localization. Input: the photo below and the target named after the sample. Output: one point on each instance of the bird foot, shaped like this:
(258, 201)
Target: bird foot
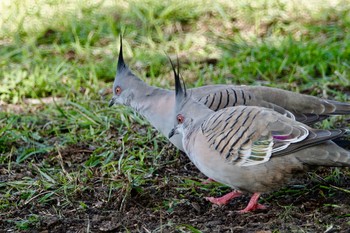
(253, 204)
(252, 208)
(224, 199)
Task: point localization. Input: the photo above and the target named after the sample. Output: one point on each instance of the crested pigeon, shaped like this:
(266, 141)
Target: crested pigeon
(157, 105)
(251, 149)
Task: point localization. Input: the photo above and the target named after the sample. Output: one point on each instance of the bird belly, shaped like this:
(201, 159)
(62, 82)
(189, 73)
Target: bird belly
(263, 177)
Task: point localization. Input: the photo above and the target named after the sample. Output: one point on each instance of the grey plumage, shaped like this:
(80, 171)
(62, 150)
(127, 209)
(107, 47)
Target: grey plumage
(249, 148)
(304, 108)
(157, 105)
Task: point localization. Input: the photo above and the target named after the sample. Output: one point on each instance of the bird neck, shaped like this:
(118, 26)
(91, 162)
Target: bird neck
(157, 106)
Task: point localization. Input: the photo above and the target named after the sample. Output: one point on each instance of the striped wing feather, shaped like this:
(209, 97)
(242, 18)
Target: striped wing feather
(250, 135)
(225, 98)
(230, 97)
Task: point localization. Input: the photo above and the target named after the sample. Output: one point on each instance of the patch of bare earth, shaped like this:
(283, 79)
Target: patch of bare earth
(161, 205)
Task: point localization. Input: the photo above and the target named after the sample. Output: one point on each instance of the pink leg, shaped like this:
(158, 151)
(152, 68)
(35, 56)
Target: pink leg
(253, 204)
(224, 199)
(208, 181)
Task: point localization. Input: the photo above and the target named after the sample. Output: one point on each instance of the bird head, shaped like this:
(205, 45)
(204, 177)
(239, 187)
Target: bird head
(183, 100)
(126, 85)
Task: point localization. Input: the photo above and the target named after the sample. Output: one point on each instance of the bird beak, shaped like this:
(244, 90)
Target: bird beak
(111, 102)
(173, 132)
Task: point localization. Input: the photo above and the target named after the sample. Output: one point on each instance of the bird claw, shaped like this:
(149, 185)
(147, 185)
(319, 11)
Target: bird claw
(224, 199)
(217, 200)
(253, 208)
(253, 204)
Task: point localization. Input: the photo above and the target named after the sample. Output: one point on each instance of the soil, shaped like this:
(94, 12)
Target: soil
(161, 205)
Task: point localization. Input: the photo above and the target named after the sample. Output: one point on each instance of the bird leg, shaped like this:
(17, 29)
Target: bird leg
(224, 199)
(253, 204)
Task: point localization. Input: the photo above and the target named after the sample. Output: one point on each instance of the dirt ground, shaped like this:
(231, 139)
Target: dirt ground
(314, 206)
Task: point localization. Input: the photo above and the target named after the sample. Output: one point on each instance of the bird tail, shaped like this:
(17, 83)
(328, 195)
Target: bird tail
(338, 107)
(325, 154)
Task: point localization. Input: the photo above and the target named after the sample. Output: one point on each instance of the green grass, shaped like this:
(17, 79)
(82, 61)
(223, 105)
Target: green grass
(59, 152)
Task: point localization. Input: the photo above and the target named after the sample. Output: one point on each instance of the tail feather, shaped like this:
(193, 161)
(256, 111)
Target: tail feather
(325, 154)
(339, 108)
(315, 137)
(296, 102)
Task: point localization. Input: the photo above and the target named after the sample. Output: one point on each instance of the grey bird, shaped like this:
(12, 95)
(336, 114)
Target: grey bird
(251, 149)
(157, 105)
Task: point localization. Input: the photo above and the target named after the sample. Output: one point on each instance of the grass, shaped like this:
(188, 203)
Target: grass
(64, 151)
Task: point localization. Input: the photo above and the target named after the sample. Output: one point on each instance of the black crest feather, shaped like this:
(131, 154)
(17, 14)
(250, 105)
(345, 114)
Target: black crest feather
(121, 64)
(178, 87)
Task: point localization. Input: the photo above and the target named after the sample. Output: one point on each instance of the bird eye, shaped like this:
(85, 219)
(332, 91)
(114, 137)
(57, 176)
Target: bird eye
(180, 119)
(118, 90)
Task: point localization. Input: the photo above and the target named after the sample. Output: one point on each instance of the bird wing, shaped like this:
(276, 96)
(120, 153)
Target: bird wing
(228, 96)
(306, 109)
(248, 136)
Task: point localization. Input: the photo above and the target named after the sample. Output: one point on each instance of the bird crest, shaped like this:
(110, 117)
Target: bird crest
(180, 92)
(121, 64)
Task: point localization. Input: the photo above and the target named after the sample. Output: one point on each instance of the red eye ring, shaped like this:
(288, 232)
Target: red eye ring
(180, 119)
(118, 90)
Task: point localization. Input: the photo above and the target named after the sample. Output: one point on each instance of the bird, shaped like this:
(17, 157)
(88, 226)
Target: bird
(250, 148)
(157, 104)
